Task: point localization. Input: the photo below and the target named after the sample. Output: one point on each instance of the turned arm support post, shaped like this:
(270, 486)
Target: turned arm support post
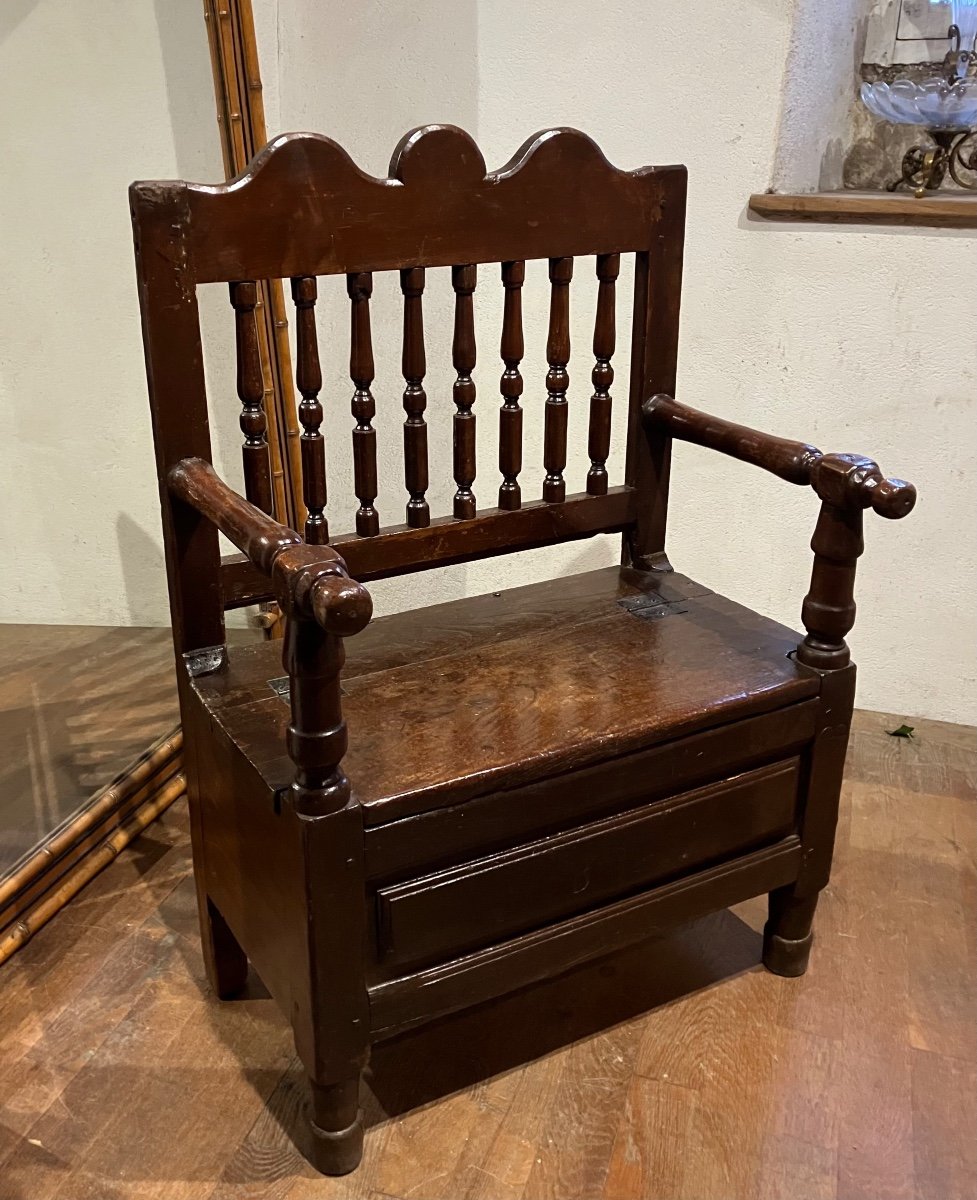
(323, 606)
(847, 484)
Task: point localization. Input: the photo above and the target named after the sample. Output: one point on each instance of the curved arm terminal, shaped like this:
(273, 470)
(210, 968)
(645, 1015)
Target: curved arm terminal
(851, 481)
(845, 483)
(310, 582)
(845, 480)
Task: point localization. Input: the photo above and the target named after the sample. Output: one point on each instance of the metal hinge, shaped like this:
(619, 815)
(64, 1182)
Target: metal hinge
(652, 607)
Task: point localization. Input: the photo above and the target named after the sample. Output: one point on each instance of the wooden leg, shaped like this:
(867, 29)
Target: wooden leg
(226, 962)
(337, 1126)
(787, 935)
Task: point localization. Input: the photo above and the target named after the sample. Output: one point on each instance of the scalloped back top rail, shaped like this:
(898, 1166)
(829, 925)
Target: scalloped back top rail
(303, 209)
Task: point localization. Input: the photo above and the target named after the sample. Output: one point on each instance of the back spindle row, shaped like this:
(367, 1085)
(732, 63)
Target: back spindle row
(308, 374)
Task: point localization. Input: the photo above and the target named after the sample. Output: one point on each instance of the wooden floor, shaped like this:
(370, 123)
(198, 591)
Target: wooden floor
(678, 1070)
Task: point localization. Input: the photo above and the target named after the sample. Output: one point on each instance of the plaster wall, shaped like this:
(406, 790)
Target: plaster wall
(92, 96)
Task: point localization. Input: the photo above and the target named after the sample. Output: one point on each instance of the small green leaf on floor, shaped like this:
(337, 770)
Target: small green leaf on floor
(904, 731)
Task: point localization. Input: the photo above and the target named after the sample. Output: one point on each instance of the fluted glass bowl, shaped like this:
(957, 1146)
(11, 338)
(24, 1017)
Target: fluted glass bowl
(933, 102)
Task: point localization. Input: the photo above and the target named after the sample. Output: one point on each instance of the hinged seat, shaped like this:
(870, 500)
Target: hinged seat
(521, 685)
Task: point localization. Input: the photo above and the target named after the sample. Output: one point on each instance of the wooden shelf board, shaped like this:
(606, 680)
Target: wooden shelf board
(944, 209)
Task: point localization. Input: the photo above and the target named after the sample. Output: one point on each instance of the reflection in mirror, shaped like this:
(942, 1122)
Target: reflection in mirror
(90, 750)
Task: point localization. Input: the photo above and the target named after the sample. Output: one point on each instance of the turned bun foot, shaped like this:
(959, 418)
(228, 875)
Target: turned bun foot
(337, 1127)
(339, 1152)
(783, 956)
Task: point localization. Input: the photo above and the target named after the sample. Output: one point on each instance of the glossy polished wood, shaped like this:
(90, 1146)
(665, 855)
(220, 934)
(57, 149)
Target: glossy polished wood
(361, 370)
(512, 730)
(251, 392)
(602, 376)
(681, 1070)
(846, 483)
(438, 196)
(511, 386)
(557, 381)
(414, 367)
(404, 841)
(311, 582)
(463, 355)
(308, 376)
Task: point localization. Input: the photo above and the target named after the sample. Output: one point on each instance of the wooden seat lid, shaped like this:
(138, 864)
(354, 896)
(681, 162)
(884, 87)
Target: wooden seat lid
(460, 699)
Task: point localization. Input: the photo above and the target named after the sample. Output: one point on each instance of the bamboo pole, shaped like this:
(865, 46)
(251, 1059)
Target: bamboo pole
(276, 313)
(241, 119)
(89, 867)
(160, 761)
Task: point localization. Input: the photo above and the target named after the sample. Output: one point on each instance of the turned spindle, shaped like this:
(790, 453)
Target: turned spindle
(414, 367)
(510, 414)
(308, 377)
(359, 288)
(463, 359)
(557, 381)
(251, 393)
(602, 376)
(847, 485)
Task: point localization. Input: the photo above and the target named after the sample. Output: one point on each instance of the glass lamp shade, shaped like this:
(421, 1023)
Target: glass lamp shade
(964, 14)
(933, 103)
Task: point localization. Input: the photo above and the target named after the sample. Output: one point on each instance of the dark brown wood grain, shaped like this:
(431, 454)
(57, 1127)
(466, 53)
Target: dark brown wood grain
(557, 381)
(436, 917)
(396, 1006)
(430, 810)
(511, 385)
(789, 460)
(361, 371)
(602, 376)
(308, 376)
(251, 393)
(310, 582)
(414, 367)
(453, 834)
(654, 369)
(322, 215)
(463, 392)
(400, 550)
(846, 483)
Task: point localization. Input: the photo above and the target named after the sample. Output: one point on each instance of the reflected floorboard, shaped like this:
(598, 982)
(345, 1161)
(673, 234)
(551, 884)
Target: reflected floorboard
(77, 704)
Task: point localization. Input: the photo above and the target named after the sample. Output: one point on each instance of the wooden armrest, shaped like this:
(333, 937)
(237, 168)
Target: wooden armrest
(309, 582)
(844, 480)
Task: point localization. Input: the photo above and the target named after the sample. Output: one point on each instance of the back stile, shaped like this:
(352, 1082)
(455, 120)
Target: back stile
(251, 392)
(463, 359)
(308, 376)
(608, 269)
(415, 398)
(510, 414)
(557, 381)
(359, 287)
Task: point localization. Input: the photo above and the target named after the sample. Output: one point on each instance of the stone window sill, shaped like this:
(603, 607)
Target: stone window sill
(949, 210)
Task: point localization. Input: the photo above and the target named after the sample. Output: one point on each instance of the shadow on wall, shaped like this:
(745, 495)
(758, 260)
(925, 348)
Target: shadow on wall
(143, 572)
(12, 12)
(189, 89)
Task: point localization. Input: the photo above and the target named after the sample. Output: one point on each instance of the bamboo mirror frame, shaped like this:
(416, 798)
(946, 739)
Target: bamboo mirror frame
(44, 879)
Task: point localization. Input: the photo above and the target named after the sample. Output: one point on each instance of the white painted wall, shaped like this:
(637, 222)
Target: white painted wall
(92, 96)
(857, 339)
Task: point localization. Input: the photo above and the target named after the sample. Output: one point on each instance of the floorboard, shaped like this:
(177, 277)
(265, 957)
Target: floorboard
(677, 1071)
